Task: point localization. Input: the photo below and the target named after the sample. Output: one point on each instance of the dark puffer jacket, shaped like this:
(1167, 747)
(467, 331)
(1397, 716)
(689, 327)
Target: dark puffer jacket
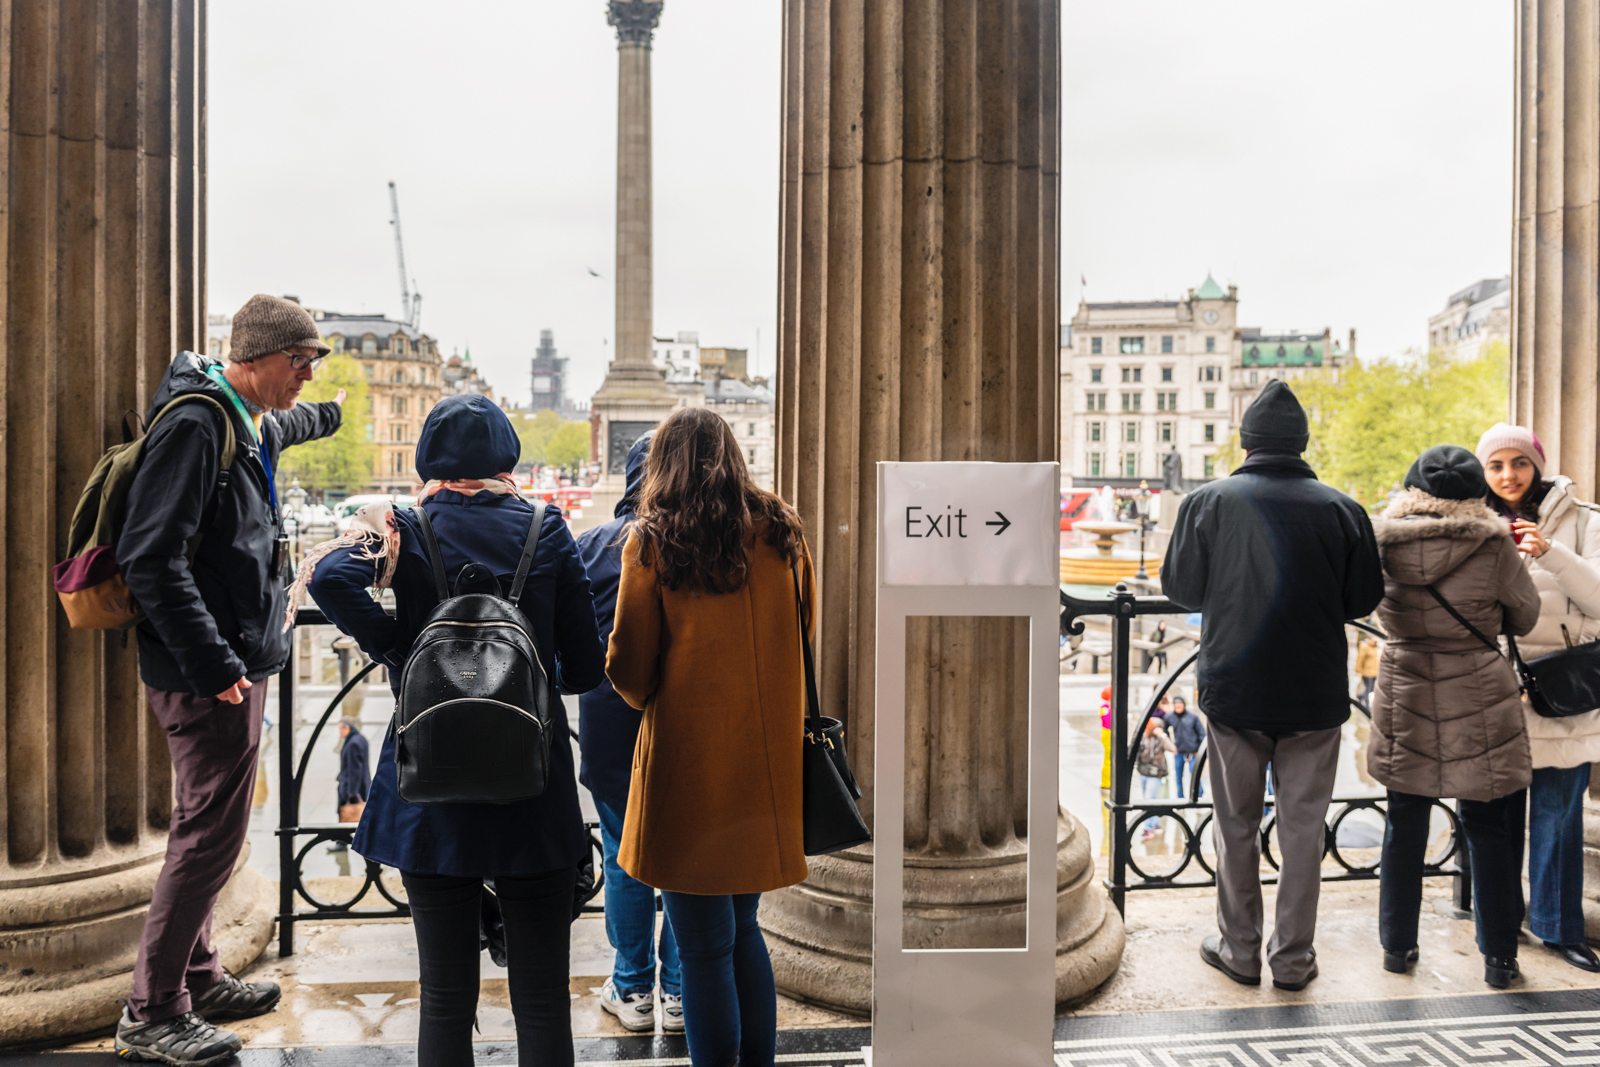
(1447, 715)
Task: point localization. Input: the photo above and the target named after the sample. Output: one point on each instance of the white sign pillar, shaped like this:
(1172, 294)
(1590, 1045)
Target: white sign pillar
(968, 539)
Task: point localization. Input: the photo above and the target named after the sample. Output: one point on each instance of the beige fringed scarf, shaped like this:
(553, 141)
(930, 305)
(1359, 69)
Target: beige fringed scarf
(374, 536)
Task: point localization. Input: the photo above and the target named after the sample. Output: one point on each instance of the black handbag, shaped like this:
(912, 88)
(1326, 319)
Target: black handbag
(1564, 683)
(829, 814)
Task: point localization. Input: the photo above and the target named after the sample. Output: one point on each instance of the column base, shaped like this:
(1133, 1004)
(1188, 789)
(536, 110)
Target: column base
(819, 933)
(75, 969)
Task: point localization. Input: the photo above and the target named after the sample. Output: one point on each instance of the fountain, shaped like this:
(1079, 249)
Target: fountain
(1104, 561)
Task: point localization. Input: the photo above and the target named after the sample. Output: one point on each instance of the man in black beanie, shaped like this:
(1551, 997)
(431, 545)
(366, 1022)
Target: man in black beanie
(1276, 562)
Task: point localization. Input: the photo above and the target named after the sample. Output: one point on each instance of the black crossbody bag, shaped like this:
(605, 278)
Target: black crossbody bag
(1559, 685)
(829, 814)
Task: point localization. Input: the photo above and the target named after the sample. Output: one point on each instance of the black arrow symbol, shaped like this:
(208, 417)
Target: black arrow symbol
(1004, 524)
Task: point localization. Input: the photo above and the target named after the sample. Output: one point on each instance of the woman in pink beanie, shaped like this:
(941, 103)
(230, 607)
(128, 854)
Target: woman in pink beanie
(1560, 539)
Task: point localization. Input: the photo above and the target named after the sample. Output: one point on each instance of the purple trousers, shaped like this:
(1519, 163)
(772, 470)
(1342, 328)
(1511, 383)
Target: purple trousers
(213, 746)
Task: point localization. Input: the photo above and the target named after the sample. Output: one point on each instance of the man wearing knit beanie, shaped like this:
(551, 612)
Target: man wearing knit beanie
(211, 635)
(1276, 562)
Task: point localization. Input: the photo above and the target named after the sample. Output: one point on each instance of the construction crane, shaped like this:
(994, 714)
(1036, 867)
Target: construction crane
(410, 302)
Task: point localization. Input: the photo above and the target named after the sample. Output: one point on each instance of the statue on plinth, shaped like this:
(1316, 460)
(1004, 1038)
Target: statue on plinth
(1172, 471)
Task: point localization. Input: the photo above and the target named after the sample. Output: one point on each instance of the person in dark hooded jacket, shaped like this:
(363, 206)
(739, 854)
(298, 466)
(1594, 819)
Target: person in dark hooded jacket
(211, 634)
(1276, 562)
(608, 730)
(530, 848)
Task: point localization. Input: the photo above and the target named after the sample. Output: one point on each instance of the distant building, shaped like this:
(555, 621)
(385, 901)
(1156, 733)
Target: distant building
(405, 378)
(549, 372)
(725, 363)
(461, 376)
(747, 409)
(1143, 378)
(679, 358)
(1472, 317)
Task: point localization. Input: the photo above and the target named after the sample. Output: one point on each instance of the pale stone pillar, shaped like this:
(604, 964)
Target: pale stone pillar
(635, 395)
(102, 278)
(919, 322)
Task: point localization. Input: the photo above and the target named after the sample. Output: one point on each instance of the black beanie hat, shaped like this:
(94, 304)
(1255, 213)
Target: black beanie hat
(1448, 472)
(1276, 420)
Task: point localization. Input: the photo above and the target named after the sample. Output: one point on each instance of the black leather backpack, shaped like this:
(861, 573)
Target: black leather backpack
(473, 725)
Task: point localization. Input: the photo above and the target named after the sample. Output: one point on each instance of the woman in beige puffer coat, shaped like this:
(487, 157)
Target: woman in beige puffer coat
(1560, 536)
(1447, 715)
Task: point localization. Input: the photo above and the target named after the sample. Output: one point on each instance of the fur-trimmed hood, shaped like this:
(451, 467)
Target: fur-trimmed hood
(1422, 538)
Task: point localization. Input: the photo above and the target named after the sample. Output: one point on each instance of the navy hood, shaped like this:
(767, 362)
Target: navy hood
(638, 455)
(466, 436)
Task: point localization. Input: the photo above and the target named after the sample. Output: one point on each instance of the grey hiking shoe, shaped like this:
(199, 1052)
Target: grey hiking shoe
(230, 998)
(185, 1040)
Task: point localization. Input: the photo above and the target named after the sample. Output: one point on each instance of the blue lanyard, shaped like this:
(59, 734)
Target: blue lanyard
(216, 375)
(272, 480)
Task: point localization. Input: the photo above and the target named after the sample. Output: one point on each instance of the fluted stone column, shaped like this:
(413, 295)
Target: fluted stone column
(918, 322)
(102, 278)
(635, 395)
(1555, 304)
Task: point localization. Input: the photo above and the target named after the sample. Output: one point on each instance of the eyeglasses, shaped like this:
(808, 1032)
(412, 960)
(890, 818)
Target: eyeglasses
(300, 361)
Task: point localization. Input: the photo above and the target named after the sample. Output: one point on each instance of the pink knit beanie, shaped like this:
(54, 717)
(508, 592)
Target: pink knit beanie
(1504, 435)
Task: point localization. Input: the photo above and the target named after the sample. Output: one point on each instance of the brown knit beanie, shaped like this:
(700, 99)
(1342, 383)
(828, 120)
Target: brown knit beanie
(268, 324)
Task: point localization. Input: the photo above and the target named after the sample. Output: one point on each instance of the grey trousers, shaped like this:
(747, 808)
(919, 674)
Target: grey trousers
(1303, 769)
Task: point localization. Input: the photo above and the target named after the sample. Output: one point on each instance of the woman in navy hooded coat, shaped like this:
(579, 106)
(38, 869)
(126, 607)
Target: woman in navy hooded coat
(530, 848)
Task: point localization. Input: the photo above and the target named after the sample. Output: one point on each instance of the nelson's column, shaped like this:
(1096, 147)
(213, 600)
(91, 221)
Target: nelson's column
(918, 305)
(635, 395)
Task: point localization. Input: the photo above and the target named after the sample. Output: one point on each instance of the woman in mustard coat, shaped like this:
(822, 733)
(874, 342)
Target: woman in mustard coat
(707, 645)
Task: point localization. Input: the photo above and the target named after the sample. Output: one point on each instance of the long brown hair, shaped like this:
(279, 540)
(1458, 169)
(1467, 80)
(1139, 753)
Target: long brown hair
(699, 503)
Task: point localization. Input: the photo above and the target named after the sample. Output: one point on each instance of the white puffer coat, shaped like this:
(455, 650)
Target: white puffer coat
(1568, 580)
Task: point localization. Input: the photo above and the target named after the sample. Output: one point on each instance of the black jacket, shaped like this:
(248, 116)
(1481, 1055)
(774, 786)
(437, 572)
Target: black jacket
(608, 729)
(1187, 731)
(355, 769)
(1276, 563)
(207, 625)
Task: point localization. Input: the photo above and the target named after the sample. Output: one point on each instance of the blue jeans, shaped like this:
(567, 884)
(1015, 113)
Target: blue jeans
(730, 1004)
(631, 921)
(1150, 789)
(1555, 853)
(1185, 766)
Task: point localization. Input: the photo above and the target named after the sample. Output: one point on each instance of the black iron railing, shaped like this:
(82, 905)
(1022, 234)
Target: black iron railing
(1193, 817)
(291, 831)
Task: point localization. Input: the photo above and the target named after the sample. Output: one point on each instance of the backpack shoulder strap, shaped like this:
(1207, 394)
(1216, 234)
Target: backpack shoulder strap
(431, 544)
(230, 447)
(529, 547)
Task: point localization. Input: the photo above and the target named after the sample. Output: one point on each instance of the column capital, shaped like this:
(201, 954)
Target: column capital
(635, 20)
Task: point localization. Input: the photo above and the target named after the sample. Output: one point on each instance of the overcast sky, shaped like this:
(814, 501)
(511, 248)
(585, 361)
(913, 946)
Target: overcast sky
(1343, 164)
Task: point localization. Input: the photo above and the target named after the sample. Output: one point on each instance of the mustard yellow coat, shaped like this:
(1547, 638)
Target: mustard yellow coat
(714, 806)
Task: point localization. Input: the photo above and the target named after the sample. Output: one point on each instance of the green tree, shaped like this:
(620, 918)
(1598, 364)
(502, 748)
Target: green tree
(536, 432)
(343, 461)
(1368, 427)
(569, 445)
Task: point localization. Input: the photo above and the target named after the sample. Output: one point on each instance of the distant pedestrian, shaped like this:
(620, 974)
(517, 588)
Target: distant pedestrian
(355, 774)
(1447, 715)
(531, 848)
(1276, 562)
(1152, 767)
(1366, 669)
(1559, 535)
(608, 733)
(707, 643)
(212, 634)
(1158, 655)
(1188, 734)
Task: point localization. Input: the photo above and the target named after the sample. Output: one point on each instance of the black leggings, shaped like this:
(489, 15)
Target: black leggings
(538, 917)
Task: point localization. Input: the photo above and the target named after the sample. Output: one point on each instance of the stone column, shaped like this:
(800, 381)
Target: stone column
(1555, 305)
(634, 396)
(919, 308)
(102, 278)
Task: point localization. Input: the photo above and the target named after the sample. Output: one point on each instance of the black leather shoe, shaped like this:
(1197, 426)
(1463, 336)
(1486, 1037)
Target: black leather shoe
(1580, 956)
(1211, 952)
(229, 998)
(1500, 972)
(1399, 962)
(1295, 987)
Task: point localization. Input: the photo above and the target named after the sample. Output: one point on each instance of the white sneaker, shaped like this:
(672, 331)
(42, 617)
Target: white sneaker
(671, 1013)
(636, 1011)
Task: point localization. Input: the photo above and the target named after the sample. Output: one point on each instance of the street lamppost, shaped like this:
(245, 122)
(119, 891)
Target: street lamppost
(1141, 510)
